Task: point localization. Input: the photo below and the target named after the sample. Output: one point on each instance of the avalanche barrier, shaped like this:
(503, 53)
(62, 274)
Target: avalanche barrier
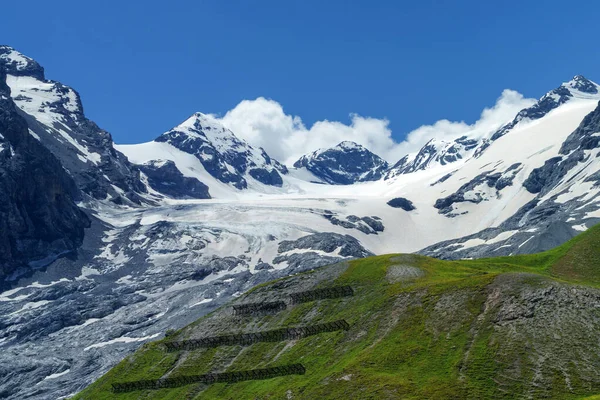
(257, 308)
(230, 377)
(275, 335)
(325, 293)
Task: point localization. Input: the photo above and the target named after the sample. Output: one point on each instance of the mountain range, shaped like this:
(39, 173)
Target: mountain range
(106, 246)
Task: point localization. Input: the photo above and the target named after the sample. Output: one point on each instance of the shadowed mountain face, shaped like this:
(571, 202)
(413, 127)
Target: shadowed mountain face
(39, 219)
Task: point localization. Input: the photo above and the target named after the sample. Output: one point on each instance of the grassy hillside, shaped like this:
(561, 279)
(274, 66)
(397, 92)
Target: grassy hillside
(509, 327)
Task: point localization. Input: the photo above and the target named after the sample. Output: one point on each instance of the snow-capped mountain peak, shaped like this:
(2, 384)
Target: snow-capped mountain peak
(580, 84)
(442, 152)
(577, 88)
(349, 145)
(219, 155)
(18, 64)
(435, 152)
(346, 163)
(206, 127)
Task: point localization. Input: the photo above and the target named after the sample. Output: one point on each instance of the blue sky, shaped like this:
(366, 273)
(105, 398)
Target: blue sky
(143, 67)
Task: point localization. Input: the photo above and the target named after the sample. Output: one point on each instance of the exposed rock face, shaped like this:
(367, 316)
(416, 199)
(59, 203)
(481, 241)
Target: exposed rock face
(55, 117)
(164, 177)
(435, 152)
(576, 149)
(223, 155)
(367, 225)
(344, 164)
(315, 245)
(401, 202)
(39, 220)
(467, 192)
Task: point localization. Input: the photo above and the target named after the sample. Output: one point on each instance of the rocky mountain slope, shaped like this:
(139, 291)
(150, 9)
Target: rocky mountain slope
(418, 328)
(565, 189)
(181, 225)
(39, 220)
(219, 153)
(55, 117)
(344, 164)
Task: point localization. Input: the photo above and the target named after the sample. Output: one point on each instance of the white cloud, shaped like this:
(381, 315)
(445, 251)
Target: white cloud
(263, 122)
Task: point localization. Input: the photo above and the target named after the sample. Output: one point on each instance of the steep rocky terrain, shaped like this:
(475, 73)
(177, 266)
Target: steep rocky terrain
(55, 117)
(39, 219)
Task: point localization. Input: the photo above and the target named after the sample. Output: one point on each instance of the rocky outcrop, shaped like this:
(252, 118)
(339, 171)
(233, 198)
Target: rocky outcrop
(401, 202)
(367, 225)
(478, 189)
(308, 250)
(435, 152)
(575, 149)
(164, 177)
(39, 220)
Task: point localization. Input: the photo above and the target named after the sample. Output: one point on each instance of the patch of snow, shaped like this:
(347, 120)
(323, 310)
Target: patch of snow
(122, 339)
(57, 375)
(203, 301)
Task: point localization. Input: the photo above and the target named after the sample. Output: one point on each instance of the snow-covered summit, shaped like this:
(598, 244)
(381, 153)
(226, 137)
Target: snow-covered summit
(580, 84)
(439, 152)
(435, 152)
(577, 88)
(344, 164)
(18, 64)
(218, 154)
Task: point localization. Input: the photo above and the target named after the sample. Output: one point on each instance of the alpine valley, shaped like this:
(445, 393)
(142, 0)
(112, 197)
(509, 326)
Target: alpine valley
(104, 247)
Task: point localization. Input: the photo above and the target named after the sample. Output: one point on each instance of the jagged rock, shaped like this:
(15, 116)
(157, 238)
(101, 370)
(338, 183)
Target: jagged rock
(164, 177)
(508, 176)
(367, 225)
(467, 192)
(401, 202)
(344, 164)
(435, 152)
(327, 242)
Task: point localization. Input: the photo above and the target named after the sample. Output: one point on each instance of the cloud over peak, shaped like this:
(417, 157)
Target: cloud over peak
(263, 122)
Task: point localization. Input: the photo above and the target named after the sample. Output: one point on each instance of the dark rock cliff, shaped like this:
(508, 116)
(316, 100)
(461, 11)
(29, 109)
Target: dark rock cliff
(39, 219)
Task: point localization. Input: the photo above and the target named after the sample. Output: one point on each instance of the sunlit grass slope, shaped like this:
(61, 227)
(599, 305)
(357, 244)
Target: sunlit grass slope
(421, 328)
